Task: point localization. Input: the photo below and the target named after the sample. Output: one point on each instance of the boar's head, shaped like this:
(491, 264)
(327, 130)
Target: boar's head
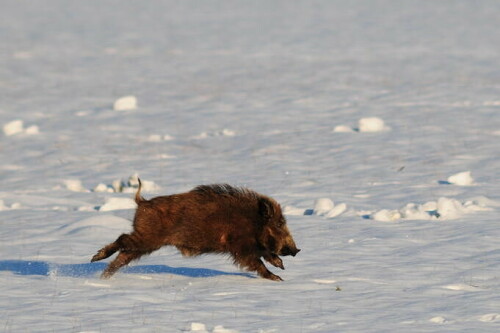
(275, 237)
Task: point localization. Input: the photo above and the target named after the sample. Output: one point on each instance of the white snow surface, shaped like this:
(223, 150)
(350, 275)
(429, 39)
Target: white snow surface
(462, 179)
(125, 103)
(264, 82)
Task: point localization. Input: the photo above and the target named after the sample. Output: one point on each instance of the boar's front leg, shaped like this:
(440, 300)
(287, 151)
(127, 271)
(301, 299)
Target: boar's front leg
(124, 258)
(255, 264)
(274, 260)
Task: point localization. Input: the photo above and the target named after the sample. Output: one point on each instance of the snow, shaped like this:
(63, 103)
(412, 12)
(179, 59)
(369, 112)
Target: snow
(443, 208)
(125, 103)
(372, 124)
(366, 125)
(461, 179)
(326, 207)
(13, 127)
(118, 203)
(405, 233)
(17, 127)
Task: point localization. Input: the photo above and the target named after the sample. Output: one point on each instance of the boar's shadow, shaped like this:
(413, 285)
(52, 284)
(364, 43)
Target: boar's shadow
(27, 267)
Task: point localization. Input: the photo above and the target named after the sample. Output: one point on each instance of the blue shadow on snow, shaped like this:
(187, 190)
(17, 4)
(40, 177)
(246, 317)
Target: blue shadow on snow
(43, 268)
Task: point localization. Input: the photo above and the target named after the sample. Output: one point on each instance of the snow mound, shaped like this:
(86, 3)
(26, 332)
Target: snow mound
(125, 103)
(74, 185)
(117, 204)
(201, 328)
(438, 320)
(198, 327)
(372, 124)
(3, 206)
(365, 125)
(205, 135)
(17, 127)
(322, 207)
(326, 207)
(159, 138)
(128, 186)
(343, 129)
(490, 317)
(443, 209)
(294, 211)
(462, 287)
(461, 179)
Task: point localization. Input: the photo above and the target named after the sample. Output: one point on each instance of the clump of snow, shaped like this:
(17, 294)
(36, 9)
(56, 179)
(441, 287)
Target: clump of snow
(322, 206)
(103, 188)
(201, 328)
(294, 211)
(343, 129)
(117, 204)
(224, 132)
(462, 287)
(365, 125)
(125, 103)
(74, 185)
(438, 320)
(32, 130)
(3, 206)
(443, 208)
(372, 124)
(160, 138)
(128, 186)
(198, 328)
(461, 179)
(13, 127)
(17, 127)
(386, 215)
(222, 329)
(336, 210)
(490, 317)
(326, 207)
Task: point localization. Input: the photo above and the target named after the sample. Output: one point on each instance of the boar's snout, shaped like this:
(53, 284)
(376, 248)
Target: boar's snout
(289, 251)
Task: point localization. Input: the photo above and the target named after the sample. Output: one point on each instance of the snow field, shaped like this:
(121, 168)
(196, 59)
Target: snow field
(397, 221)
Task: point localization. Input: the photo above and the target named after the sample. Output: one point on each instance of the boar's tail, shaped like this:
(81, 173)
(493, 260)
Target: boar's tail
(138, 197)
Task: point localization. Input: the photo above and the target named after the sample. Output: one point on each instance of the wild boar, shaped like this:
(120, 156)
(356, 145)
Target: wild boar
(208, 219)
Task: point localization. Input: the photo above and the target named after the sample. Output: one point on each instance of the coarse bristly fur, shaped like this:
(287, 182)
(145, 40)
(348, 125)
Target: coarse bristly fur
(216, 218)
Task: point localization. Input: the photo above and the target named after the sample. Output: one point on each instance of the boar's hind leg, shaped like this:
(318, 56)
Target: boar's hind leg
(274, 260)
(124, 258)
(128, 243)
(106, 252)
(255, 264)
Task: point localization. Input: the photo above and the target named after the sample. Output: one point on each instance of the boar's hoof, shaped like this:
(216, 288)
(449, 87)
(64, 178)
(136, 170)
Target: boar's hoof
(270, 276)
(274, 277)
(275, 261)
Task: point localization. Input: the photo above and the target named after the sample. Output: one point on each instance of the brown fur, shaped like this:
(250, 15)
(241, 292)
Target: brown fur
(208, 219)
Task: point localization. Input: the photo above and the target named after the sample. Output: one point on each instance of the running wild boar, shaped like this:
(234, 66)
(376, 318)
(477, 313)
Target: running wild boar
(207, 219)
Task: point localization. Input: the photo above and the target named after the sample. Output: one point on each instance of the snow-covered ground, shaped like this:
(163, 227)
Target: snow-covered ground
(376, 125)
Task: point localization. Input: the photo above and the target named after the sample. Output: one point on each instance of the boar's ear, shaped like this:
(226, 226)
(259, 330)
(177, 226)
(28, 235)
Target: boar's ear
(266, 208)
